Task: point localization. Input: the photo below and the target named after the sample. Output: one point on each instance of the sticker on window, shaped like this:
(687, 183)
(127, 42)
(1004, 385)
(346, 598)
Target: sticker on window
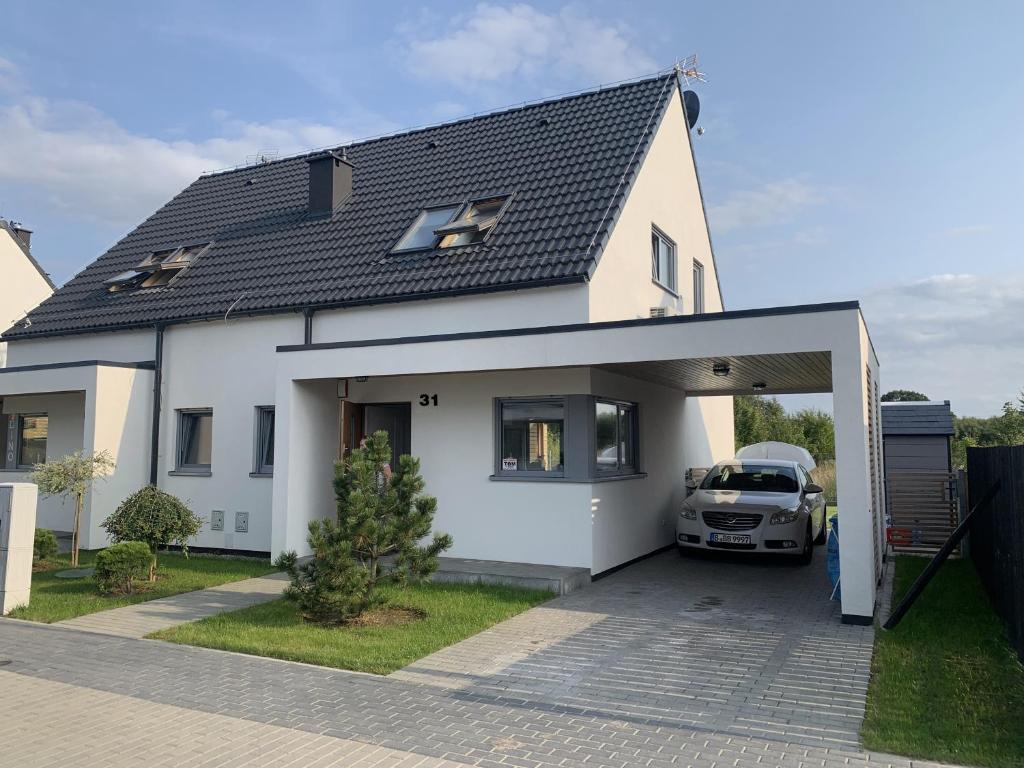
(509, 465)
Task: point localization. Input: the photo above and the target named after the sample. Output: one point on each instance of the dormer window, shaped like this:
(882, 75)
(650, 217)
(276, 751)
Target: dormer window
(448, 226)
(157, 269)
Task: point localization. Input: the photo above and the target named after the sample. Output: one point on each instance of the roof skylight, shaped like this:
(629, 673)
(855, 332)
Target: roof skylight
(159, 268)
(451, 225)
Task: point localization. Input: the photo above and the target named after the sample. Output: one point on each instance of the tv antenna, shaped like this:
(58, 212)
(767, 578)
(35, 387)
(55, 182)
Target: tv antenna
(688, 70)
(262, 157)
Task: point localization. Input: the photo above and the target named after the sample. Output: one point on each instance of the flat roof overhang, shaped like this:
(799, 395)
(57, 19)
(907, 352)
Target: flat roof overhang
(54, 378)
(785, 349)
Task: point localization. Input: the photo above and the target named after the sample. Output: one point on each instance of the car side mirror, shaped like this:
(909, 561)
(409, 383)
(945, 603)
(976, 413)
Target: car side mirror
(813, 488)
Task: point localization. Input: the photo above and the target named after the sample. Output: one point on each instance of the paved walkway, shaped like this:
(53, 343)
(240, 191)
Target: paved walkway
(733, 646)
(142, 618)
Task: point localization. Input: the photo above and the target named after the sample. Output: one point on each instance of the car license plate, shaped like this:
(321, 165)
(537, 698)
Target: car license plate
(730, 538)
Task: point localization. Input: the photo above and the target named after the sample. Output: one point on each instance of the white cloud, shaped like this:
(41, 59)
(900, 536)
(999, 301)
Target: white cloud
(86, 164)
(494, 42)
(10, 76)
(966, 230)
(768, 204)
(953, 337)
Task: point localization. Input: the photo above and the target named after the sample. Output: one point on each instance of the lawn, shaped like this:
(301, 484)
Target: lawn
(945, 684)
(56, 599)
(453, 613)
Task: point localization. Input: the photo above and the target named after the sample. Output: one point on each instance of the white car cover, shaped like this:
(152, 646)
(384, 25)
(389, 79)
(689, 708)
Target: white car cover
(776, 450)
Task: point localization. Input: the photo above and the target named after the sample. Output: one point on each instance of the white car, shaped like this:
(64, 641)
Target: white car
(757, 505)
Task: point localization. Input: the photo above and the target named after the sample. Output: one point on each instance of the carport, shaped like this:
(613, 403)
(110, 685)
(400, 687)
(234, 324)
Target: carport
(803, 349)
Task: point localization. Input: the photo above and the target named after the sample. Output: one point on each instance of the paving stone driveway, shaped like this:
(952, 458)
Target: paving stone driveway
(669, 663)
(732, 646)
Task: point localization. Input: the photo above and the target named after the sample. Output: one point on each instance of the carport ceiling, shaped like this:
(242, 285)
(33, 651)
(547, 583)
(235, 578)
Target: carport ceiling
(784, 373)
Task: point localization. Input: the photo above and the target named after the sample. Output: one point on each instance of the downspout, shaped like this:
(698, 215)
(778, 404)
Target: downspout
(154, 447)
(307, 329)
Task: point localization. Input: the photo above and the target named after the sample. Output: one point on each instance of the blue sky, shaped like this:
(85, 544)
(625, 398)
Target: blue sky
(868, 151)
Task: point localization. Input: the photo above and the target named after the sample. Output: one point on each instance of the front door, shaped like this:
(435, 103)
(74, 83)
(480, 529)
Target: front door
(393, 418)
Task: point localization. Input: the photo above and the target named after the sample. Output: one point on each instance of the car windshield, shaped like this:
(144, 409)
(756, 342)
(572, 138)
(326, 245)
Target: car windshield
(751, 477)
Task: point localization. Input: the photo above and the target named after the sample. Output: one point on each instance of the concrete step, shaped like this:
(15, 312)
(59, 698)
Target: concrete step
(555, 578)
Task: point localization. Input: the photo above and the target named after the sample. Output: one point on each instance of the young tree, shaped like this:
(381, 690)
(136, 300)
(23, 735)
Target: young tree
(381, 514)
(156, 518)
(71, 476)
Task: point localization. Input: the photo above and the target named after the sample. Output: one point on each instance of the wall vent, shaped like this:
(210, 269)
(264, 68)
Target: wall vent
(659, 312)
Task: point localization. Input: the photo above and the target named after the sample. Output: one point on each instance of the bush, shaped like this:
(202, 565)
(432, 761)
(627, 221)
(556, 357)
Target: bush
(118, 566)
(44, 545)
(156, 518)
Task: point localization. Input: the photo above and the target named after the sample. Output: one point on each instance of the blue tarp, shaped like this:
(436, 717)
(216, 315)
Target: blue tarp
(833, 557)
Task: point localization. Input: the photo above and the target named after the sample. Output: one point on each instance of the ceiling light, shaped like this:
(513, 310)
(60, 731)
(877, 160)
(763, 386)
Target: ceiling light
(759, 385)
(720, 369)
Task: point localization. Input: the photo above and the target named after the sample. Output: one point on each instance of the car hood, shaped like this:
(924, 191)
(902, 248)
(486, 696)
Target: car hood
(746, 501)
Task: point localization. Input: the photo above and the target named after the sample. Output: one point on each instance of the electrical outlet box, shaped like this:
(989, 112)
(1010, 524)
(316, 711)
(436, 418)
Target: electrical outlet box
(241, 522)
(217, 520)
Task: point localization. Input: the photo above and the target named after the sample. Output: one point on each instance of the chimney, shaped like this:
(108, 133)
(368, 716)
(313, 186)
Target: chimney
(25, 235)
(330, 182)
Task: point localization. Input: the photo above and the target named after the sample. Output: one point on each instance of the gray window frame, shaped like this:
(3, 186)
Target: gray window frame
(19, 429)
(499, 436)
(698, 288)
(180, 467)
(456, 208)
(259, 467)
(672, 285)
(634, 423)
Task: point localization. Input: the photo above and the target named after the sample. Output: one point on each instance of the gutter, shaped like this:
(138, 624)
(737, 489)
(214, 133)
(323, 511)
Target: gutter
(158, 369)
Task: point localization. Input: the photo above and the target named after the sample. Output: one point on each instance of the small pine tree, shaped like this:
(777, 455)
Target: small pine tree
(381, 514)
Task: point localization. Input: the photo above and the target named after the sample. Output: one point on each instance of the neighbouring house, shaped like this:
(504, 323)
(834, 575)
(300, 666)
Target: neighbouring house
(527, 300)
(23, 283)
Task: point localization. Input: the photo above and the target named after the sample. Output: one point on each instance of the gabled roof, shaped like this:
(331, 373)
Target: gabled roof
(4, 224)
(917, 418)
(567, 163)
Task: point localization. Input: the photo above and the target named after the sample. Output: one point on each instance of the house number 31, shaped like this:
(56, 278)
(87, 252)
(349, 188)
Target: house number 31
(428, 400)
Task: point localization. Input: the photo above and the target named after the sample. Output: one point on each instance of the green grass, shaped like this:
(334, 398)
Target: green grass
(453, 613)
(56, 599)
(945, 684)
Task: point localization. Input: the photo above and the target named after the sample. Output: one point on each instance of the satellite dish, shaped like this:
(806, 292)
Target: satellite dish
(691, 103)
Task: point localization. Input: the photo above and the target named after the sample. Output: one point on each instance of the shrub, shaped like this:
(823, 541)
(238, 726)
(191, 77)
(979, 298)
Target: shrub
(118, 566)
(156, 518)
(44, 545)
(380, 514)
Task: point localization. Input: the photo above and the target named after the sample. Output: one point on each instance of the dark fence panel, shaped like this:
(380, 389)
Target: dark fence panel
(997, 538)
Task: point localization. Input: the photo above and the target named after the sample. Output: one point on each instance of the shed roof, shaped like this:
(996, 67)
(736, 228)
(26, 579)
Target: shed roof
(917, 418)
(567, 163)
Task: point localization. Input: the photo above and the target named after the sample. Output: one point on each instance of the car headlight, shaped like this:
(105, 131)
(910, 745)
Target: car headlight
(688, 513)
(784, 516)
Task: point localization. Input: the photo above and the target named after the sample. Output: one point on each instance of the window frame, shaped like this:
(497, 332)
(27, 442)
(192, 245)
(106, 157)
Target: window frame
(672, 284)
(18, 438)
(499, 436)
(698, 288)
(622, 467)
(457, 208)
(180, 467)
(259, 467)
(505, 198)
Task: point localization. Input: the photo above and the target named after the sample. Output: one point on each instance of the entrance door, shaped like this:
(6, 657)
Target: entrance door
(393, 418)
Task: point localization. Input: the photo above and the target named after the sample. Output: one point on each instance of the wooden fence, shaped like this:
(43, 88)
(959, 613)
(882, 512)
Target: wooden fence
(923, 509)
(997, 538)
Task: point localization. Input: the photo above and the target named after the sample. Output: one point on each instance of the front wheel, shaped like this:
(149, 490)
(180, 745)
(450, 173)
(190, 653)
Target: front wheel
(807, 555)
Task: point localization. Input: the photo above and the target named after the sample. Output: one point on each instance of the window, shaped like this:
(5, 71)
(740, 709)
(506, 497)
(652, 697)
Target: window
(195, 440)
(663, 260)
(159, 268)
(32, 433)
(698, 288)
(264, 460)
(473, 224)
(614, 437)
(532, 436)
(421, 234)
(6, 451)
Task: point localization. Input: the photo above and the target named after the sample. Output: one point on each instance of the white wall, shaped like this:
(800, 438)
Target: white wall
(21, 285)
(66, 414)
(665, 193)
(708, 430)
(119, 346)
(509, 309)
(228, 367)
(534, 522)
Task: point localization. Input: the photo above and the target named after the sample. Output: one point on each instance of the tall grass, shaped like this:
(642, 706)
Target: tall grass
(825, 476)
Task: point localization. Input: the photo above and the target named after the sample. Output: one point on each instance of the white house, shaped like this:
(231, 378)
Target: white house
(527, 300)
(23, 283)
